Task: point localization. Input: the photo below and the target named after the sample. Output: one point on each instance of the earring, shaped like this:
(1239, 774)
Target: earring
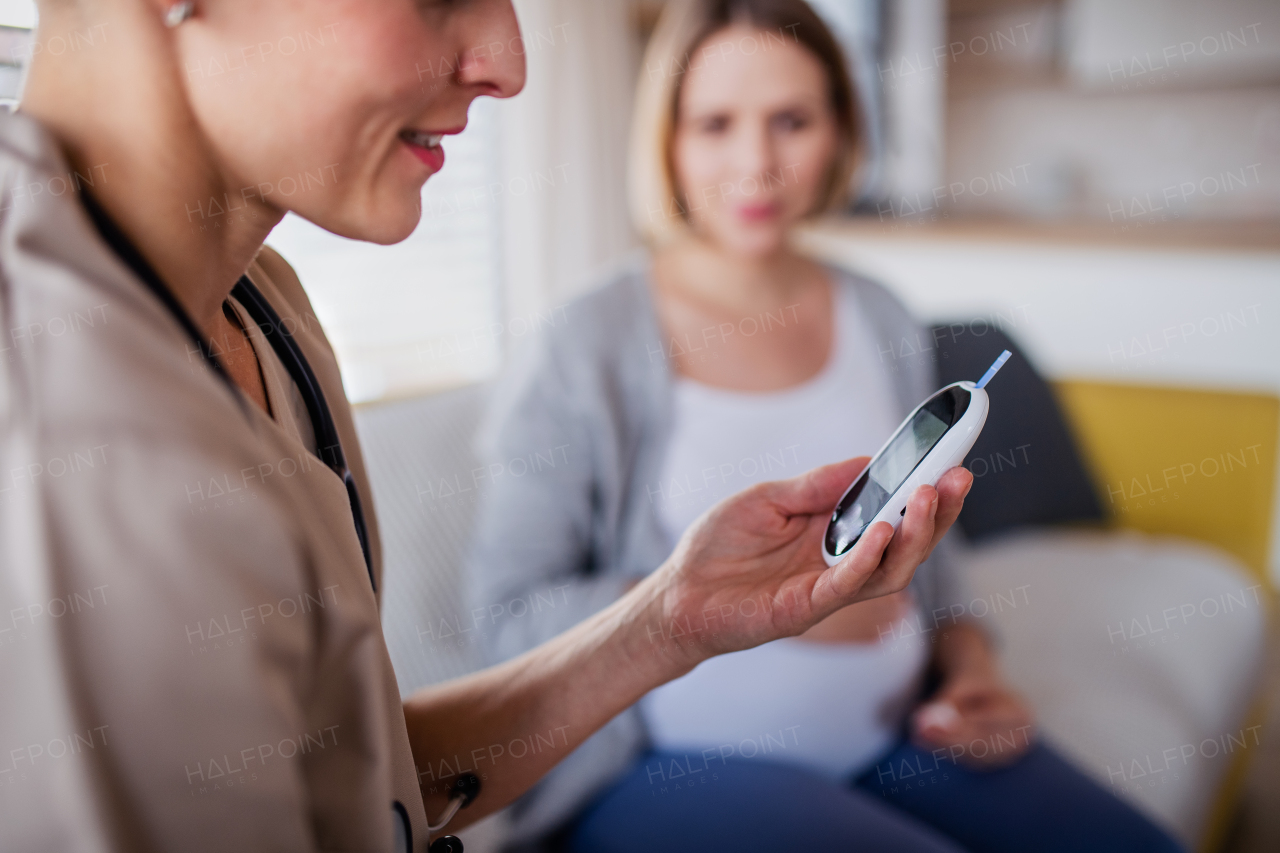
(179, 12)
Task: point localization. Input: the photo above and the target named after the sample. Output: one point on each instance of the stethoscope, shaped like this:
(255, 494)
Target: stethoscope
(329, 448)
(328, 442)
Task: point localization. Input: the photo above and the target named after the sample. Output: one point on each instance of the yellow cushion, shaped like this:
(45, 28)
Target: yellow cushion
(1192, 463)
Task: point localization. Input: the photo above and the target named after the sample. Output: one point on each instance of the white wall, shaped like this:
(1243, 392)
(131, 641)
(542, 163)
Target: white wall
(564, 142)
(913, 89)
(1086, 310)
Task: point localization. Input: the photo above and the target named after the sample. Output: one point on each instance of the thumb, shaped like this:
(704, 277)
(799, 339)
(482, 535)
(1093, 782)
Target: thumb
(815, 492)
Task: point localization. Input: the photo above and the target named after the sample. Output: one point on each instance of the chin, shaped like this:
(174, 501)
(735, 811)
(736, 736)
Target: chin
(754, 243)
(389, 233)
(382, 223)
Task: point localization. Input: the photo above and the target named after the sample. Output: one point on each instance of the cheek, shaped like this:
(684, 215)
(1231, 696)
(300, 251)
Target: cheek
(322, 95)
(699, 163)
(806, 160)
(268, 122)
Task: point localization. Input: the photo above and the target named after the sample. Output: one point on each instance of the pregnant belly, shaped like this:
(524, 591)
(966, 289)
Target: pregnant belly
(833, 707)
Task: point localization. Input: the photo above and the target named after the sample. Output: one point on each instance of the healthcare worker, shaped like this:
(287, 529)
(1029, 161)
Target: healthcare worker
(190, 652)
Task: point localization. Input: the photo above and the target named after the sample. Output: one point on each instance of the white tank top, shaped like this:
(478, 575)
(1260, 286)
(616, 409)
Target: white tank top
(835, 707)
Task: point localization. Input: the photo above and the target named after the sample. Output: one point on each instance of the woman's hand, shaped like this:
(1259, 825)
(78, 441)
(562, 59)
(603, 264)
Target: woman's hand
(751, 569)
(975, 716)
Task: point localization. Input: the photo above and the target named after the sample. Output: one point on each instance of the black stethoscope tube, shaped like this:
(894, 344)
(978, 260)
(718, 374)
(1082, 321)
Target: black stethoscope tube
(328, 442)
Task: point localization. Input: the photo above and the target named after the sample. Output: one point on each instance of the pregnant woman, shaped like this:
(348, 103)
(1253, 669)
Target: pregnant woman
(720, 359)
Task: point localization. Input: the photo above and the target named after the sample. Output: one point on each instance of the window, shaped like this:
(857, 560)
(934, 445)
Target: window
(17, 18)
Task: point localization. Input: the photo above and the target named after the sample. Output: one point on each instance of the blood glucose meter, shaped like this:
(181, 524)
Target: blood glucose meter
(934, 438)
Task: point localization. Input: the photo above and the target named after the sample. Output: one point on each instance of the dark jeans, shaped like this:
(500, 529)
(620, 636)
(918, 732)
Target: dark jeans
(910, 802)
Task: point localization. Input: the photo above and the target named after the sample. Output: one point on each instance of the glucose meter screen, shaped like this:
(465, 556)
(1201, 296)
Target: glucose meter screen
(889, 471)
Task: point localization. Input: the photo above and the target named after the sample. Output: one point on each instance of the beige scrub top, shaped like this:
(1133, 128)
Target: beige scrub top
(190, 651)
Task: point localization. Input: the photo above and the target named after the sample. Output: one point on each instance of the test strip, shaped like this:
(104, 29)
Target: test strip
(993, 369)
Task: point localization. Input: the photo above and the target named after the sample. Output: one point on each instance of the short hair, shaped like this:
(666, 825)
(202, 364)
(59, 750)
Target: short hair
(658, 209)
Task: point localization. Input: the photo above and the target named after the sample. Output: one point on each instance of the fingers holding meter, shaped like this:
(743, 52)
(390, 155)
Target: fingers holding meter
(933, 439)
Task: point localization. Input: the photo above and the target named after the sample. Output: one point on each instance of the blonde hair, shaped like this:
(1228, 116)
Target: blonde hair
(658, 208)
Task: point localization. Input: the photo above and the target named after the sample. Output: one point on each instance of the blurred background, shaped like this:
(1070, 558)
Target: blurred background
(1097, 179)
(1076, 131)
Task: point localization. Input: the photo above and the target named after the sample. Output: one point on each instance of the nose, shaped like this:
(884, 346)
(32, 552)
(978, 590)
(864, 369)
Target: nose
(493, 62)
(755, 147)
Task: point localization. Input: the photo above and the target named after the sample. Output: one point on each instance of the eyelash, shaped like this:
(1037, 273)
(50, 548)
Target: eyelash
(792, 121)
(787, 121)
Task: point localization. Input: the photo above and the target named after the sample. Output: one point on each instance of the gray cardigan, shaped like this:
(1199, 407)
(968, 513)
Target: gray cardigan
(576, 430)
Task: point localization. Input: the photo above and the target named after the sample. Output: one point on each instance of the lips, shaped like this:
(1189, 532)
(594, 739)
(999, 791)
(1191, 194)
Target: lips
(426, 147)
(759, 212)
